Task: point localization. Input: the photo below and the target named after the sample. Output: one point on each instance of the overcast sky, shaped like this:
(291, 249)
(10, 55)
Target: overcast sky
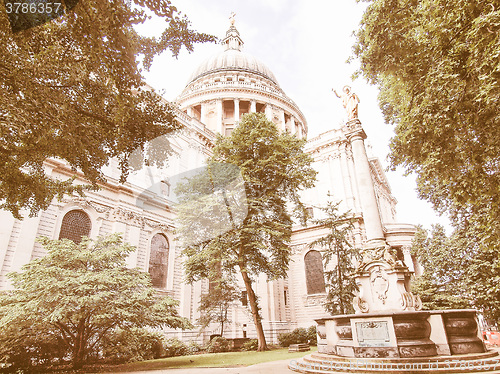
(305, 43)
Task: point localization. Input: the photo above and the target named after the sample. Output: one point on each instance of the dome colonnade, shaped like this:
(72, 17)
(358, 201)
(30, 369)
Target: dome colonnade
(232, 83)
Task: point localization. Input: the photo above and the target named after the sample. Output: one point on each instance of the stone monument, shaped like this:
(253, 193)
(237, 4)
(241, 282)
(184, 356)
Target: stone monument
(388, 330)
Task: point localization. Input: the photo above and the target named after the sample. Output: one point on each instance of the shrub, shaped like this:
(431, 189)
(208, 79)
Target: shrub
(299, 335)
(194, 347)
(218, 344)
(250, 345)
(25, 347)
(312, 336)
(175, 347)
(136, 344)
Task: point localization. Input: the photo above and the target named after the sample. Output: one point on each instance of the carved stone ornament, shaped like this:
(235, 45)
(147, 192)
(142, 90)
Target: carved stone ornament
(382, 253)
(127, 216)
(297, 249)
(84, 203)
(409, 301)
(379, 283)
(360, 305)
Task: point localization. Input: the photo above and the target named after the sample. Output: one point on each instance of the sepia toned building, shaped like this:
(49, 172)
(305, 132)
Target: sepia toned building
(219, 92)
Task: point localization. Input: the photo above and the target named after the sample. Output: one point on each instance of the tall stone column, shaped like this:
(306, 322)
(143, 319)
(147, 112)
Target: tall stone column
(220, 114)
(236, 110)
(282, 120)
(269, 112)
(383, 279)
(203, 113)
(253, 106)
(369, 206)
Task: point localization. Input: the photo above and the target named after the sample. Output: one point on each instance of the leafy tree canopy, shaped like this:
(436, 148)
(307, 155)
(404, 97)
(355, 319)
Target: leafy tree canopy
(66, 303)
(438, 69)
(274, 168)
(215, 304)
(73, 89)
(338, 250)
(441, 286)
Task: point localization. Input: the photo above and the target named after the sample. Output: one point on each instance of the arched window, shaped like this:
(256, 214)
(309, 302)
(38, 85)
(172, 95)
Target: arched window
(158, 260)
(75, 225)
(315, 278)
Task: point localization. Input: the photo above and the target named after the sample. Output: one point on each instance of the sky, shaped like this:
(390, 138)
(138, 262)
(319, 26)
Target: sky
(306, 44)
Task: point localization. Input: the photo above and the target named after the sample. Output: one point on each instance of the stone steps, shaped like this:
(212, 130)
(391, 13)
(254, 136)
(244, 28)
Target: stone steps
(488, 362)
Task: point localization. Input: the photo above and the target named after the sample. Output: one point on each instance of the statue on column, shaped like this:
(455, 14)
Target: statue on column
(231, 18)
(350, 102)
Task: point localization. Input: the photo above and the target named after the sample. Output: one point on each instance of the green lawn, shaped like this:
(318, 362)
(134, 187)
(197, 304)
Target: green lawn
(229, 359)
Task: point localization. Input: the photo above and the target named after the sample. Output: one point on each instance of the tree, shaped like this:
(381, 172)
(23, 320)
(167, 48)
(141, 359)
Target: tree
(73, 89)
(481, 271)
(438, 71)
(273, 169)
(338, 249)
(76, 296)
(441, 286)
(215, 304)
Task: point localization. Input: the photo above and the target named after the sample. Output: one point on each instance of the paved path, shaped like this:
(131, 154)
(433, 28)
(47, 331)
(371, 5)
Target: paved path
(273, 367)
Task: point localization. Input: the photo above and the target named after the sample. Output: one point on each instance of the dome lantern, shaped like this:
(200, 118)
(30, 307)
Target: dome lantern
(232, 39)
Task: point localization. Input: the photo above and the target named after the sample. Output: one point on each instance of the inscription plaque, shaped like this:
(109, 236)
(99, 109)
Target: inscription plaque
(373, 334)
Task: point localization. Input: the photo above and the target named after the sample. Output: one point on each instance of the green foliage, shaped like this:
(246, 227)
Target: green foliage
(443, 259)
(76, 296)
(73, 91)
(481, 272)
(312, 336)
(135, 344)
(339, 250)
(175, 347)
(218, 344)
(297, 336)
(459, 271)
(250, 345)
(274, 169)
(214, 305)
(438, 70)
(25, 346)
(194, 347)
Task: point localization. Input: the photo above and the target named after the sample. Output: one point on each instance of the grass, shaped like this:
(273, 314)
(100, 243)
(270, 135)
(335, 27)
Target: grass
(210, 360)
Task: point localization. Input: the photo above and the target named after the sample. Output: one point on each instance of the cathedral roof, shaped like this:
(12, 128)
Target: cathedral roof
(233, 59)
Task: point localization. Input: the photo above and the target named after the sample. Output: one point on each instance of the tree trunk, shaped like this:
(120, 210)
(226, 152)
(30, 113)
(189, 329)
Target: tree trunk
(79, 347)
(252, 300)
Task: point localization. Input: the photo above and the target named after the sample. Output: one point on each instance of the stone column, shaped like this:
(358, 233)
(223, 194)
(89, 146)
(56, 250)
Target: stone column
(203, 113)
(293, 130)
(282, 120)
(346, 177)
(369, 206)
(299, 131)
(383, 280)
(219, 114)
(236, 110)
(253, 106)
(133, 237)
(6, 228)
(25, 242)
(268, 110)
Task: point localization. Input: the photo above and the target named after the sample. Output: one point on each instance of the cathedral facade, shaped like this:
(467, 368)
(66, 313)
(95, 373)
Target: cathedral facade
(221, 90)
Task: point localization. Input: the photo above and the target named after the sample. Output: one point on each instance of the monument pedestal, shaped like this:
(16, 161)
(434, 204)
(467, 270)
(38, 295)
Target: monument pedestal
(413, 341)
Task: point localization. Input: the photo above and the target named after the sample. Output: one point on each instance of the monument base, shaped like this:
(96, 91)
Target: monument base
(422, 337)
(467, 363)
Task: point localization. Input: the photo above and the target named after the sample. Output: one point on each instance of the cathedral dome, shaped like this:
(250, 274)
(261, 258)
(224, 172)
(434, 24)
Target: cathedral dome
(233, 60)
(232, 83)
